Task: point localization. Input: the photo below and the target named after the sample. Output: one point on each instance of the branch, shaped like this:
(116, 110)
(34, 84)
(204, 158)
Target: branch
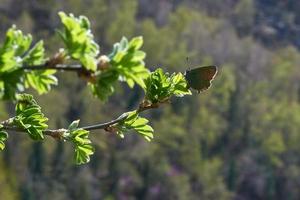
(105, 125)
(146, 105)
(58, 133)
(60, 67)
(78, 68)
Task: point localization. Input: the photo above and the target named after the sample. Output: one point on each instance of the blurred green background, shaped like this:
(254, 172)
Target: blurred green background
(239, 140)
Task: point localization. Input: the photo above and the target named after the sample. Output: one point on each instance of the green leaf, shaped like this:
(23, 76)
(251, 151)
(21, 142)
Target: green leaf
(127, 59)
(74, 125)
(29, 117)
(16, 41)
(105, 83)
(136, 43)
(137, 123)
(80, 136)
(15, 46)
(79, 40)
(24, 101)
(126, 64)
(83, 153)
(160, 86)
(36, 55)
(10, 83)
(3, 138)
(82, 144)
(140, 122)
(15, 53)
(40, 80)
(180, 85)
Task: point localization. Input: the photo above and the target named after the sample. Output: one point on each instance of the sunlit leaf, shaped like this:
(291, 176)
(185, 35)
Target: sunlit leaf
(79, 40)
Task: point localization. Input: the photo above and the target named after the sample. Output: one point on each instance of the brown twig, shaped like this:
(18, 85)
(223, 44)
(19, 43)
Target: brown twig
(58, 133)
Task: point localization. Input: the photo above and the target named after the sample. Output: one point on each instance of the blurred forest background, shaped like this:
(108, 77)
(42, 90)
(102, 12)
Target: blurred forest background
(239, 140)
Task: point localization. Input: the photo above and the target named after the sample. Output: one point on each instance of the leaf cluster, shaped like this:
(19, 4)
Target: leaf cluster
(82, 144)
(79, 40)
(160, 86)
(136, 123)
(16, 53)
(3, 137)
(40, 80)
(125, 63)
(29, 117)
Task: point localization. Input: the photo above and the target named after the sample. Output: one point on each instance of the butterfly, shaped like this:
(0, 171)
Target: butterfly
(200, 78)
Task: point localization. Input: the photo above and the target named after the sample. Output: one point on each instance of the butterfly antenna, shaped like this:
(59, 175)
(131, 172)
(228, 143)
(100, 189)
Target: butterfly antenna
(187, 63)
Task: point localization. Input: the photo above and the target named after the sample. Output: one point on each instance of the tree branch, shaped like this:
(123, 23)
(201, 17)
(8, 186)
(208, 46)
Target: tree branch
(58, 133)
(105, 125)
(78, 68)
(60, 67)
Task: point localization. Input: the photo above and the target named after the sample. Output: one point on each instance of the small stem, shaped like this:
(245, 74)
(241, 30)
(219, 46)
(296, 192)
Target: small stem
(61, 67)
(104, 125)
(7, 122)
(11, 128)
(146, 105)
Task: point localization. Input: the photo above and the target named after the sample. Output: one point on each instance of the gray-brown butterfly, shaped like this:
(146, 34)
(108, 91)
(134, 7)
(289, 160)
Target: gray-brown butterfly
(200, 78)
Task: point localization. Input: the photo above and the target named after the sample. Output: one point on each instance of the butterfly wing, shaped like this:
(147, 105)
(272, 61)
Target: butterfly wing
(200, 78)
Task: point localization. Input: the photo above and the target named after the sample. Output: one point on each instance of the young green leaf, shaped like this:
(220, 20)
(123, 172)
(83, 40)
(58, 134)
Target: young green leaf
(40, 80)
(73, 126)
(15, 45)
(82, 144)
(180, 85)
(16, 53)
(160, 86)
(79, 40)
(104, 86)
(29, 117)
(36, 55)
(137, 123)
(82, 153)
(3, 138)
(127, 59)
(135, 43)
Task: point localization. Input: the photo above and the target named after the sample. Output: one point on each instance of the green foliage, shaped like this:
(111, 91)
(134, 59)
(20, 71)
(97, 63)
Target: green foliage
(3, 137)
(15, 45)
(125, 64)
(29, 117)
(36, 56)
(240, 139)
(104, 86)
(160, 86)
(79, 40)
(16, 53)
(127, 59)
(137, 123)
(10, 82)
(40, 80)
(82, 144)
(274, 146)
